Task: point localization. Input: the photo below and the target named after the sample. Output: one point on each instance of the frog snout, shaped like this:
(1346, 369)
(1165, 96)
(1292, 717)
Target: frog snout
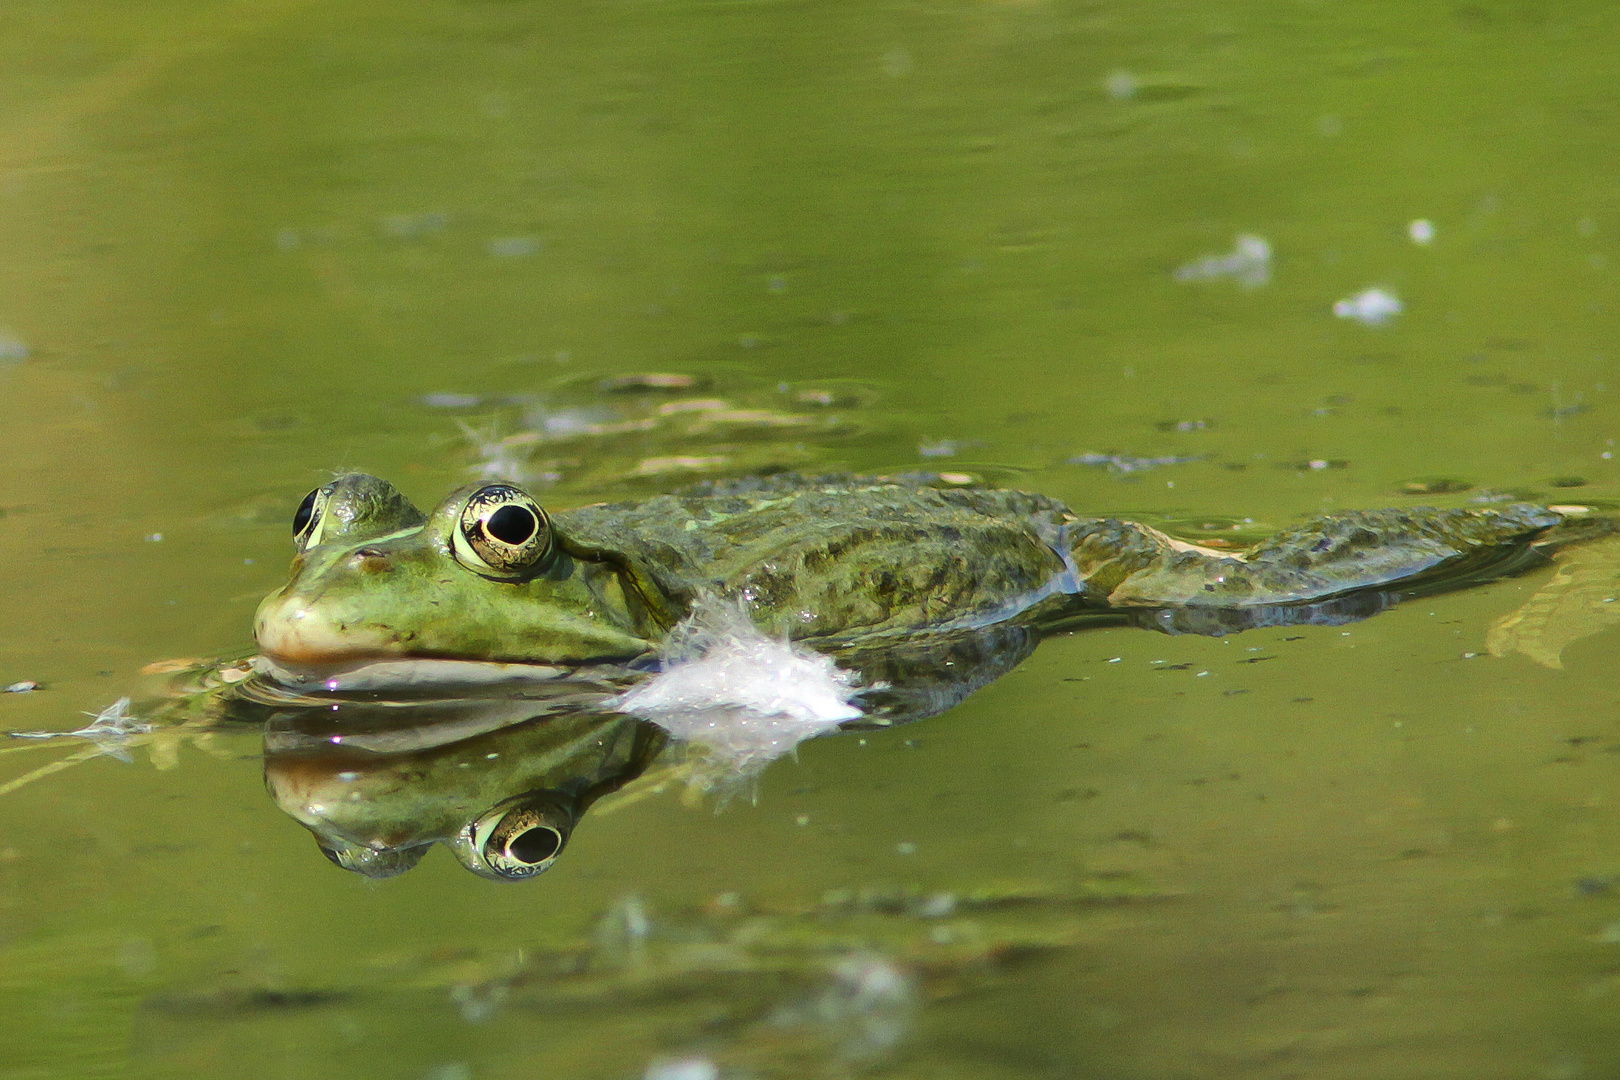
(289, 628)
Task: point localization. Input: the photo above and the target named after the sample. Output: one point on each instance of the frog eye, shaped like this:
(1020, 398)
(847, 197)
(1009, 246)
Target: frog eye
(309, 519)
(518, 841)
(503, 533)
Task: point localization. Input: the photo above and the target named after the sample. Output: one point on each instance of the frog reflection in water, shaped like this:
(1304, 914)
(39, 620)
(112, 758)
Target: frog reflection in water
(927, 592)
(505, 800)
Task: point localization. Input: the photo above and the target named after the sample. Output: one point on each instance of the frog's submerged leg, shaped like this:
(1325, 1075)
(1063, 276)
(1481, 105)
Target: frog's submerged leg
(1333, 569)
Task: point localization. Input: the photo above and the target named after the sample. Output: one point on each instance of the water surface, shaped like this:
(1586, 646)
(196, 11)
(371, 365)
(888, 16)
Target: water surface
(245, 242)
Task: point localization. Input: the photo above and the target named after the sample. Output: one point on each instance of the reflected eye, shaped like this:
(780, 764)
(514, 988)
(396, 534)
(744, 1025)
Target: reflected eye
(532, 846)
(515, 842)
(310, 517)
(503, 533)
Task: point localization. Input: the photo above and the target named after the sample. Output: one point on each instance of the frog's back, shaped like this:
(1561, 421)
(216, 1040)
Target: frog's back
(831, 556)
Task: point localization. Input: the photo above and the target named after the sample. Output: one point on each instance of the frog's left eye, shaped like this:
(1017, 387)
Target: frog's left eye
(503, 533)
(310, 518)
(518, 838)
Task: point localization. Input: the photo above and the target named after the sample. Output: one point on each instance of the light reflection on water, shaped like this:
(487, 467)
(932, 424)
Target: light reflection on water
(246, 241)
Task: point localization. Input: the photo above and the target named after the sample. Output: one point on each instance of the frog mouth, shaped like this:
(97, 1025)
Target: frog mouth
(364, 674)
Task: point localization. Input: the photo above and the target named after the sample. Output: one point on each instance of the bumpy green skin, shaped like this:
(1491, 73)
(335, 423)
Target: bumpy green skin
(827, 558)
(840, 560)
(1341, 553)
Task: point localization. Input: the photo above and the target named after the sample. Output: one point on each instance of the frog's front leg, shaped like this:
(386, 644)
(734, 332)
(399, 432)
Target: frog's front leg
(1331, 569)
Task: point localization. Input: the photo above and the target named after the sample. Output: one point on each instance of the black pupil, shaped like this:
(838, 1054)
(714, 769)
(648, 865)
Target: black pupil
(534, 845)
(511, 524)
(305, 511)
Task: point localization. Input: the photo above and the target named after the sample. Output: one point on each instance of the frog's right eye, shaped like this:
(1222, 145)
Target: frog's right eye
(309, 520)
(503, 533)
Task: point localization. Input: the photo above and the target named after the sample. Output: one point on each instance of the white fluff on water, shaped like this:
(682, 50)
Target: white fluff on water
(1248, 263)
(744, 697)
(1370, 307)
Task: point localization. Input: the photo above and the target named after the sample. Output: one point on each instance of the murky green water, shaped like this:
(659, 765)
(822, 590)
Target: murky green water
(244, 241)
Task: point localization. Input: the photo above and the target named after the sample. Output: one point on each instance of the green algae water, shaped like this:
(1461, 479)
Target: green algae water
(1214, 266)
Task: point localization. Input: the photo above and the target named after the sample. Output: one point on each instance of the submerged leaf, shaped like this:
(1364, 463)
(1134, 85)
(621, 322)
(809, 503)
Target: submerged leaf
(1582, 599)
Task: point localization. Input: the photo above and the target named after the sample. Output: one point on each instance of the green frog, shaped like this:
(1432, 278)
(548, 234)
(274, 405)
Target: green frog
(837, 562)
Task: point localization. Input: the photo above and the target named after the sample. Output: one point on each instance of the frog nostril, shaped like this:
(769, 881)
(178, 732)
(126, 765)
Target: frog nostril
(370, 558)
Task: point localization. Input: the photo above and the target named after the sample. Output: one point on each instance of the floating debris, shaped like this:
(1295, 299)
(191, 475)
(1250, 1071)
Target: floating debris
(111, 727)
(27, 686)
(1492, 496)
(1567, 481)
(1370, 307)
(411, 226)
(746, 418)
(1421, 231)
(515, 247)
(1184, 425)
(13, 350)
(939, 448)
(1558, 412)
(1249, 264)
(827, 399)
(1435, 485)
(662, 466)
(632, 429)
(652, 380)
(691, 1068)
(452, 401)
(1124, 463)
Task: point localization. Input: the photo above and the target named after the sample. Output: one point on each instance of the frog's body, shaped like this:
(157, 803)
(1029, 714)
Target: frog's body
(489, 576)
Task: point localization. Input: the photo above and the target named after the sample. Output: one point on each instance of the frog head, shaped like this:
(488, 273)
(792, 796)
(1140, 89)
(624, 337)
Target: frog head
(485, 576)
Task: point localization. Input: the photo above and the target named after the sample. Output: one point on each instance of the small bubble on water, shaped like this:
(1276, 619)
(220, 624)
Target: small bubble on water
(905, 847)
(1121, 85)
(1421, 231)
